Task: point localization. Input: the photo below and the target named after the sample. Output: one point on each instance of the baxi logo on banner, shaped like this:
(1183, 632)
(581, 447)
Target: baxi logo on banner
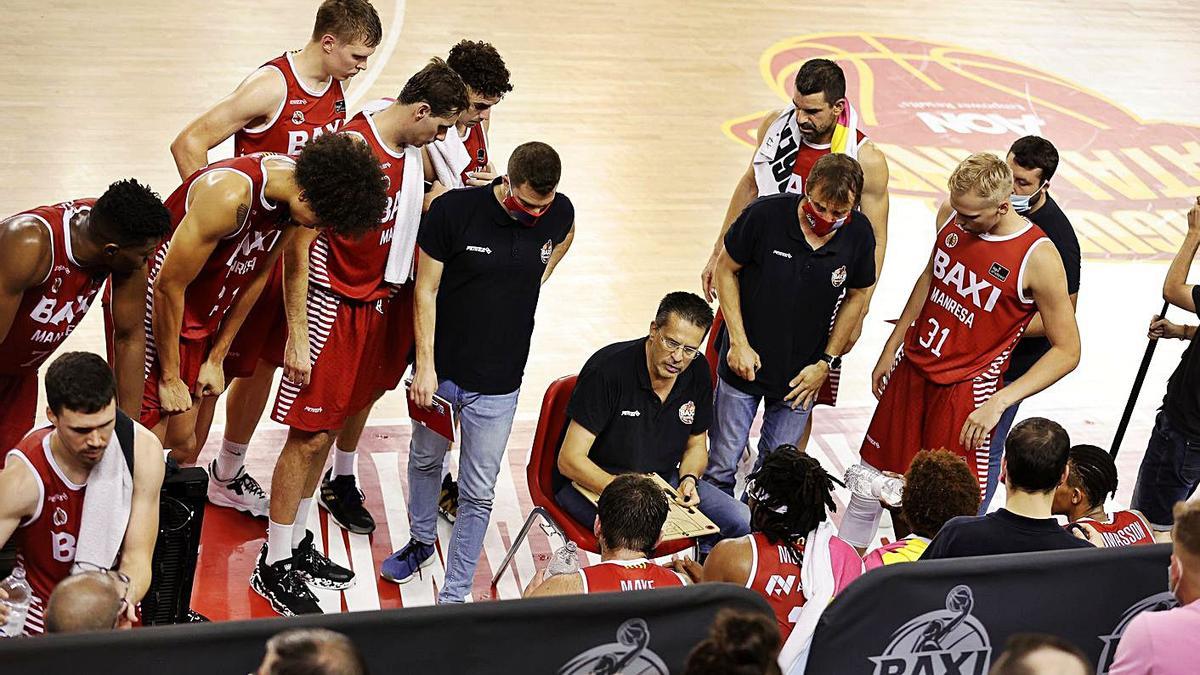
(927, 105)
(1158, 602)
(629, 654)
(942, 642)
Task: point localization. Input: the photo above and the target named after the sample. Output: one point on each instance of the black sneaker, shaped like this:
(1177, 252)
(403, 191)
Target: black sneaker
(193, 616)
(318, 569)
(283, 586)
(344, 501)
(448, 499)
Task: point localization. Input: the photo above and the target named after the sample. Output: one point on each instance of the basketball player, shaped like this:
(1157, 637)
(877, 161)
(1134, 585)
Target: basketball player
(230, 222)
(791, 141)
(283, 104)
(338, 305)
(48, 474)
(1091, 478)
(53, 262)
(482, 69)
(988, 275)
(629, 521)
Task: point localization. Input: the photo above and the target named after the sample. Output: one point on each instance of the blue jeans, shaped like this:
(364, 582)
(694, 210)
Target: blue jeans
(1169, 473)
(996, 453)
(484, 425)
(733, 413)
(727, 513)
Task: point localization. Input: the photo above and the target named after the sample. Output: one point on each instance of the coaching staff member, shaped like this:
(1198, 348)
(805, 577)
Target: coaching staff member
(485, 253)
(791, 265)
(645, 406)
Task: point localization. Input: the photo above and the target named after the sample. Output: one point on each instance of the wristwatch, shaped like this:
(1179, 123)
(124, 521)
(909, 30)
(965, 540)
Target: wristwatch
(834, 362)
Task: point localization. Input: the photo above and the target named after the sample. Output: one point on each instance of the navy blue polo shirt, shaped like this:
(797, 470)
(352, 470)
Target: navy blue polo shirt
(635, 430)
(491, 281)
(789, 291)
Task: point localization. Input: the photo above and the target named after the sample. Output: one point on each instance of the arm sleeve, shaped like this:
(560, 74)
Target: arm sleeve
(741, 241)
(593, 401)
(435, 236)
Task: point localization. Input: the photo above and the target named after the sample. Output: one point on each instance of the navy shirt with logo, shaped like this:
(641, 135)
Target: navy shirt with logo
(635, 430)
(788, 291)
(491, 281)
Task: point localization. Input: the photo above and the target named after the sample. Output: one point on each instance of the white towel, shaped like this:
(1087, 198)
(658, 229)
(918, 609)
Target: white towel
(408, 219)
(816, 578)
(106, 507)
(449, 157)
(772, 168)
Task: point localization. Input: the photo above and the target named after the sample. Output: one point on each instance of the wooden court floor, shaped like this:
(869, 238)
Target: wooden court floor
(649, 104)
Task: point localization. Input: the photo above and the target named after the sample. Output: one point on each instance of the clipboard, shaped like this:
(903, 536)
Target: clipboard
(440, 419)
(683, 522)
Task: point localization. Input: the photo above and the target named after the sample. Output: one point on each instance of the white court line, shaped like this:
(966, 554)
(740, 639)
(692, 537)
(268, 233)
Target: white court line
(419, 591)
(365, 594)
(382, 55)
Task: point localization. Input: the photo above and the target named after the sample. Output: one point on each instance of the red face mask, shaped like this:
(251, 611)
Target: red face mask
(819, 225)
(519, 211)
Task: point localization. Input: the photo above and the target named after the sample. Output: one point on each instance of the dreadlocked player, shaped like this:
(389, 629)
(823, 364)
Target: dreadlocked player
(1091, 478)
(790, 498)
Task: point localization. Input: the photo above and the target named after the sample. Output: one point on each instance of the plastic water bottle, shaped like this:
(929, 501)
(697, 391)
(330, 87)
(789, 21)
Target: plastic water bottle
(565, 560)
(20, 594)
(870, 483)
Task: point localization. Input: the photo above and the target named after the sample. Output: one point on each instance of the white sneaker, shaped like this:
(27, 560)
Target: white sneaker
(241, 492)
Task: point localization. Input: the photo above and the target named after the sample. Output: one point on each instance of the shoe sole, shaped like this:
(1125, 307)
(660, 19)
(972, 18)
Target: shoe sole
(257, 586)
(221, 500)
(334, 518)
(328, 584)
(388, 577)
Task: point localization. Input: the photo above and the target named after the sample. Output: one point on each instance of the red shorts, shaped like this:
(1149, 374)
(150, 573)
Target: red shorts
(264, 334)
(18, 400)
(915, 414)
(191, 357)
(346, 345)
(400, 341)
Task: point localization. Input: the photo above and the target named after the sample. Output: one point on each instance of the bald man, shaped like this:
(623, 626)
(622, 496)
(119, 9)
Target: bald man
(85, 602)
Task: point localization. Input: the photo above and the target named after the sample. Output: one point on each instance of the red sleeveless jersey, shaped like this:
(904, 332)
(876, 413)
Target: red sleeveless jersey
(775, 575)
(51, 310)
(353, 267)
(46, 541)
(302, 115)
(628, 575)
(476, 144)
(237, 257)
(1124, 528)
(807, 156)
(976, 310)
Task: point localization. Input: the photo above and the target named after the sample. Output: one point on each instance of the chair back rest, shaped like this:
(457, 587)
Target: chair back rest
(547, 439)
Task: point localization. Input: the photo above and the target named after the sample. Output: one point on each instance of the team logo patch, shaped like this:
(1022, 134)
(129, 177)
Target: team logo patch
(1159, 602)
(60, 517)
(838, 277)
(298, 117)
(547, 250)
(999, 271)
(387, 183)
(944, 636)
(481, 156)
(339, 106)
(687, 412)
(952, 240)
(298, 101)
(631, 653)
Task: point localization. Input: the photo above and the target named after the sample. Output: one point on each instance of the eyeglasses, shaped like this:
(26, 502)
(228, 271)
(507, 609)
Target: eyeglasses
(673, 346)
(118, 577)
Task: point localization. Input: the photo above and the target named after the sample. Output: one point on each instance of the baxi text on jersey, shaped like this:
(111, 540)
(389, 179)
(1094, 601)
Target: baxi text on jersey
(47, 310)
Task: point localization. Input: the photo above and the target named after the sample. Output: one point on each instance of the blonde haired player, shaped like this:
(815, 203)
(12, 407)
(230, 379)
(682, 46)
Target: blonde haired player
(938, 378)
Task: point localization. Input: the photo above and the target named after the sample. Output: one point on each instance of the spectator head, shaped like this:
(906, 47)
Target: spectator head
(820, 97)
(938, 486)
(1035, 456)
(630, 514)
(738, 643)
(82, 404)
(677, 333)
(979, 189)
(1040, 654)
(1185, 555)
(1091, 478)
(86, 601)
(311, 651)
(789, 496)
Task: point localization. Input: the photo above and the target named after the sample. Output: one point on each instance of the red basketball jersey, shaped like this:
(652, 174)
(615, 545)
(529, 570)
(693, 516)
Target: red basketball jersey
(807, 156)
(775, 575)
(237, 257)
(628, 575)
(1124, 528)
(976, 309)
(51, 310)
(302, 115)
(46, 541)
(476, 144)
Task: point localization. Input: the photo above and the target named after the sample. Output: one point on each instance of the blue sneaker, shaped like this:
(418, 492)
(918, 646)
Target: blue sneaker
(403, 564)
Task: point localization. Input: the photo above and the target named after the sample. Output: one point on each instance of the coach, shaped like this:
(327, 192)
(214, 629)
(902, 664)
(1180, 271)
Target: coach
(791, 266)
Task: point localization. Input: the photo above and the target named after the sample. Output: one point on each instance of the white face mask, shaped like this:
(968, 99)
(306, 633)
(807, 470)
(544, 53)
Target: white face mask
(1022, 203)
